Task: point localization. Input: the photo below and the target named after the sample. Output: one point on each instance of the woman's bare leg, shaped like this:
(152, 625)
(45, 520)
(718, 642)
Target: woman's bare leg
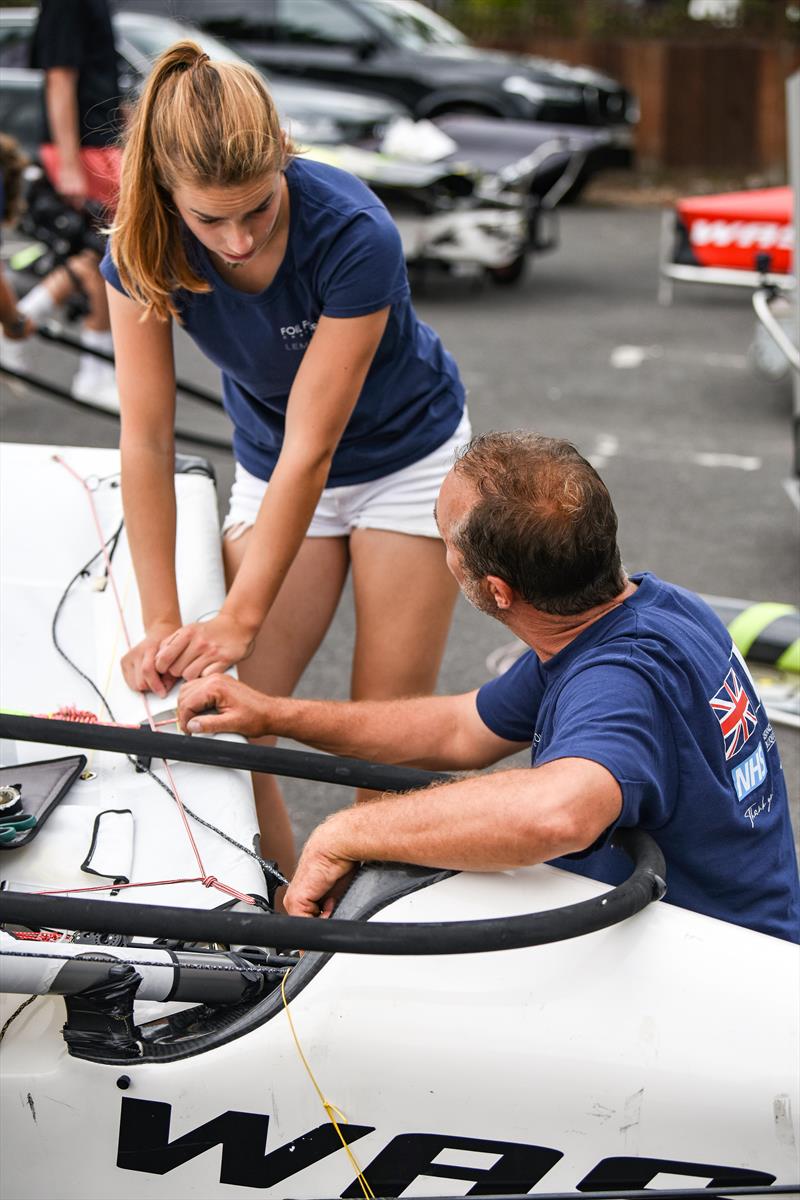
(404, 599)
(286, 643)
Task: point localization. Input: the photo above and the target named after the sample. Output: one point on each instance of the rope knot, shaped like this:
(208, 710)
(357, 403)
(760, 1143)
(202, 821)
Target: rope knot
(209, 881)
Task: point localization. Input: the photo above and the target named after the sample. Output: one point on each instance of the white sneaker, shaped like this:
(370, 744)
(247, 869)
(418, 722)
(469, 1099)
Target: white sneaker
(95, 383)
(15, 353)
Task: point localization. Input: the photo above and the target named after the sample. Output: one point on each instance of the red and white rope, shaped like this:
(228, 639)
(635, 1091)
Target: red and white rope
(204, 878)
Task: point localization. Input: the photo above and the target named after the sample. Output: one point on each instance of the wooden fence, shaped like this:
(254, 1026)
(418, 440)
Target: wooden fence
(708, 105)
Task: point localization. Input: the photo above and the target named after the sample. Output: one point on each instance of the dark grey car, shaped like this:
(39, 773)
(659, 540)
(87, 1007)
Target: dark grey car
(316, 113)
(403, 50)
(483, 202)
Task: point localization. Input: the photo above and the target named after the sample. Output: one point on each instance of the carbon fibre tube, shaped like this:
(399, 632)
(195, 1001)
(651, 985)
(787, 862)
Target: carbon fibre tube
(297, 764)
(66, 968)
(644, 885)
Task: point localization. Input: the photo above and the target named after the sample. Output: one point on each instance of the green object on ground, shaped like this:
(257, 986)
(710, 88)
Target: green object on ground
(753, 625)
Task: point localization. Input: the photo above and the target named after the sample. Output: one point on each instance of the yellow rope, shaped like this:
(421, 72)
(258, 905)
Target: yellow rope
(331, 1111)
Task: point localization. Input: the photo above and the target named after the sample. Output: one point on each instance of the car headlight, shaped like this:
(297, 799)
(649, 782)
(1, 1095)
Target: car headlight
(537, 93)
(324, 130)
(527, 88)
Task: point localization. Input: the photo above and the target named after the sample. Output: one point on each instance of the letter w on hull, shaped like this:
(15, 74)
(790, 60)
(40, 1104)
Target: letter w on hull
(144, 1144)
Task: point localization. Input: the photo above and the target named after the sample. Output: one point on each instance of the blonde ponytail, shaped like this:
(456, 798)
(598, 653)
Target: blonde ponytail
(197, 123)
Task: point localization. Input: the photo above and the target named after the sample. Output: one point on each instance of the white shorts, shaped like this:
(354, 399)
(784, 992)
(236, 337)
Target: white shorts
(401, 502)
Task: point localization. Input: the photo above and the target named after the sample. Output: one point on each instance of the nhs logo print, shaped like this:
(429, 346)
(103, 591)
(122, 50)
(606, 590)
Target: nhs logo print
(750, 774)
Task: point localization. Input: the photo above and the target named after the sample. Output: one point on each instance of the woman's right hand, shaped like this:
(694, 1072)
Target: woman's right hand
(138, 665)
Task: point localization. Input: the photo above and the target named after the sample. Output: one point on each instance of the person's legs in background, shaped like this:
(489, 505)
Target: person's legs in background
(94, 380)
(404, 600)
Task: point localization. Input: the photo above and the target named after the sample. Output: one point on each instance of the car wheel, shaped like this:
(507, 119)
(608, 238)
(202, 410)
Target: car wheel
(464, 110)
(506, 276)
(575, 190)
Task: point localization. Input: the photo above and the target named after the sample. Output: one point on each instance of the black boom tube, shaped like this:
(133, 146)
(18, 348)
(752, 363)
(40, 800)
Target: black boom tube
(214, 752)
(645, 884)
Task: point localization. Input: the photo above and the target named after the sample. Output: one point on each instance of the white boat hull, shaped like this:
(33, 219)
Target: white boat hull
(661, 1052)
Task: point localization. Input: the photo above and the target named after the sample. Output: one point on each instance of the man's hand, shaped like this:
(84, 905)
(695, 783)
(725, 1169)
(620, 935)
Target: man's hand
(205, 647)
(239, 709)
(73, 184)
(323, 873)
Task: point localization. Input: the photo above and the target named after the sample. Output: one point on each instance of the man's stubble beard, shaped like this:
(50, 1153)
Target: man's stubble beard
(477, 594)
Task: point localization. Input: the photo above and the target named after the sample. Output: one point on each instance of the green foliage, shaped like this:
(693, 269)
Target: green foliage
(519, 22)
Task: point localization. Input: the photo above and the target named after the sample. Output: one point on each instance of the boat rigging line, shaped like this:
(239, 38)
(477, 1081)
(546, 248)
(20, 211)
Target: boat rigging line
(107, 549)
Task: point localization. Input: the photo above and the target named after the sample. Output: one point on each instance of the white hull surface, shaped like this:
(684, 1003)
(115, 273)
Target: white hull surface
(661, 1052)
(48, 534)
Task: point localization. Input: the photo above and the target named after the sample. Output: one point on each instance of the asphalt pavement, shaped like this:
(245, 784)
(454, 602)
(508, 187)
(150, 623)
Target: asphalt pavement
(694, 445)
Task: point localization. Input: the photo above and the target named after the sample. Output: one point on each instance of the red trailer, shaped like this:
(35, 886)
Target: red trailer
(734, 238)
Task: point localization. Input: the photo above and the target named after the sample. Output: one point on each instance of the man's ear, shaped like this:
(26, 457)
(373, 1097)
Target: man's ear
(501, 592)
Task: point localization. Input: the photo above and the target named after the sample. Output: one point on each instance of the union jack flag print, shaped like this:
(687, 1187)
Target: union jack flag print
(732, 708)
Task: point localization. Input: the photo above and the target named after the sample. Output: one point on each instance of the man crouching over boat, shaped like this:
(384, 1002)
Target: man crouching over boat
(636, 706)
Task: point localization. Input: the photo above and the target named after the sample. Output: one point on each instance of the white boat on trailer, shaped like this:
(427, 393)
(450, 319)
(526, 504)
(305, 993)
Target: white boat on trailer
(443, 1034)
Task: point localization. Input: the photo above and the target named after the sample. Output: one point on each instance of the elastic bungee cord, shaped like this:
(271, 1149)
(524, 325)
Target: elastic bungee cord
(87, 717)
(17, 1011)
(108, 546)
(71, 714)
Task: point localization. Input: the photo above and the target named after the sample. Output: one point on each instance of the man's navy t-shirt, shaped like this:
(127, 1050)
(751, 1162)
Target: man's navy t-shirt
(344, 258)
(655, 692)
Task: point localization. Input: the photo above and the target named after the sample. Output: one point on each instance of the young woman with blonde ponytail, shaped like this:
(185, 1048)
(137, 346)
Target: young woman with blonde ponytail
(289, 275)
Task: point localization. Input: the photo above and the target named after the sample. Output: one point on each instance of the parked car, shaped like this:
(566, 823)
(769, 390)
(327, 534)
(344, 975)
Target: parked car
(323, 115)
(403, 50)
(482, 202)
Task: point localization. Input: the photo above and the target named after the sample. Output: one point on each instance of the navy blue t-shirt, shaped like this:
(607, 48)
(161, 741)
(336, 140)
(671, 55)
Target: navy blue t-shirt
(656, 693)
(344, 258)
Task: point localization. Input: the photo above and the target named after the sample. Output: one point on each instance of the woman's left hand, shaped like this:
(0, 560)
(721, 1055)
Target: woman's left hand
(205, 647)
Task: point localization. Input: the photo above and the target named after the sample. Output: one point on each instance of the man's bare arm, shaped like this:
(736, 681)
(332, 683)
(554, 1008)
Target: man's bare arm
(438, 732)
(489, 823)
(61, 99)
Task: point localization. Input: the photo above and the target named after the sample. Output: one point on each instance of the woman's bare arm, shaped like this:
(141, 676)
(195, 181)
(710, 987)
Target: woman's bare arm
(146, 383)
(322, 399)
